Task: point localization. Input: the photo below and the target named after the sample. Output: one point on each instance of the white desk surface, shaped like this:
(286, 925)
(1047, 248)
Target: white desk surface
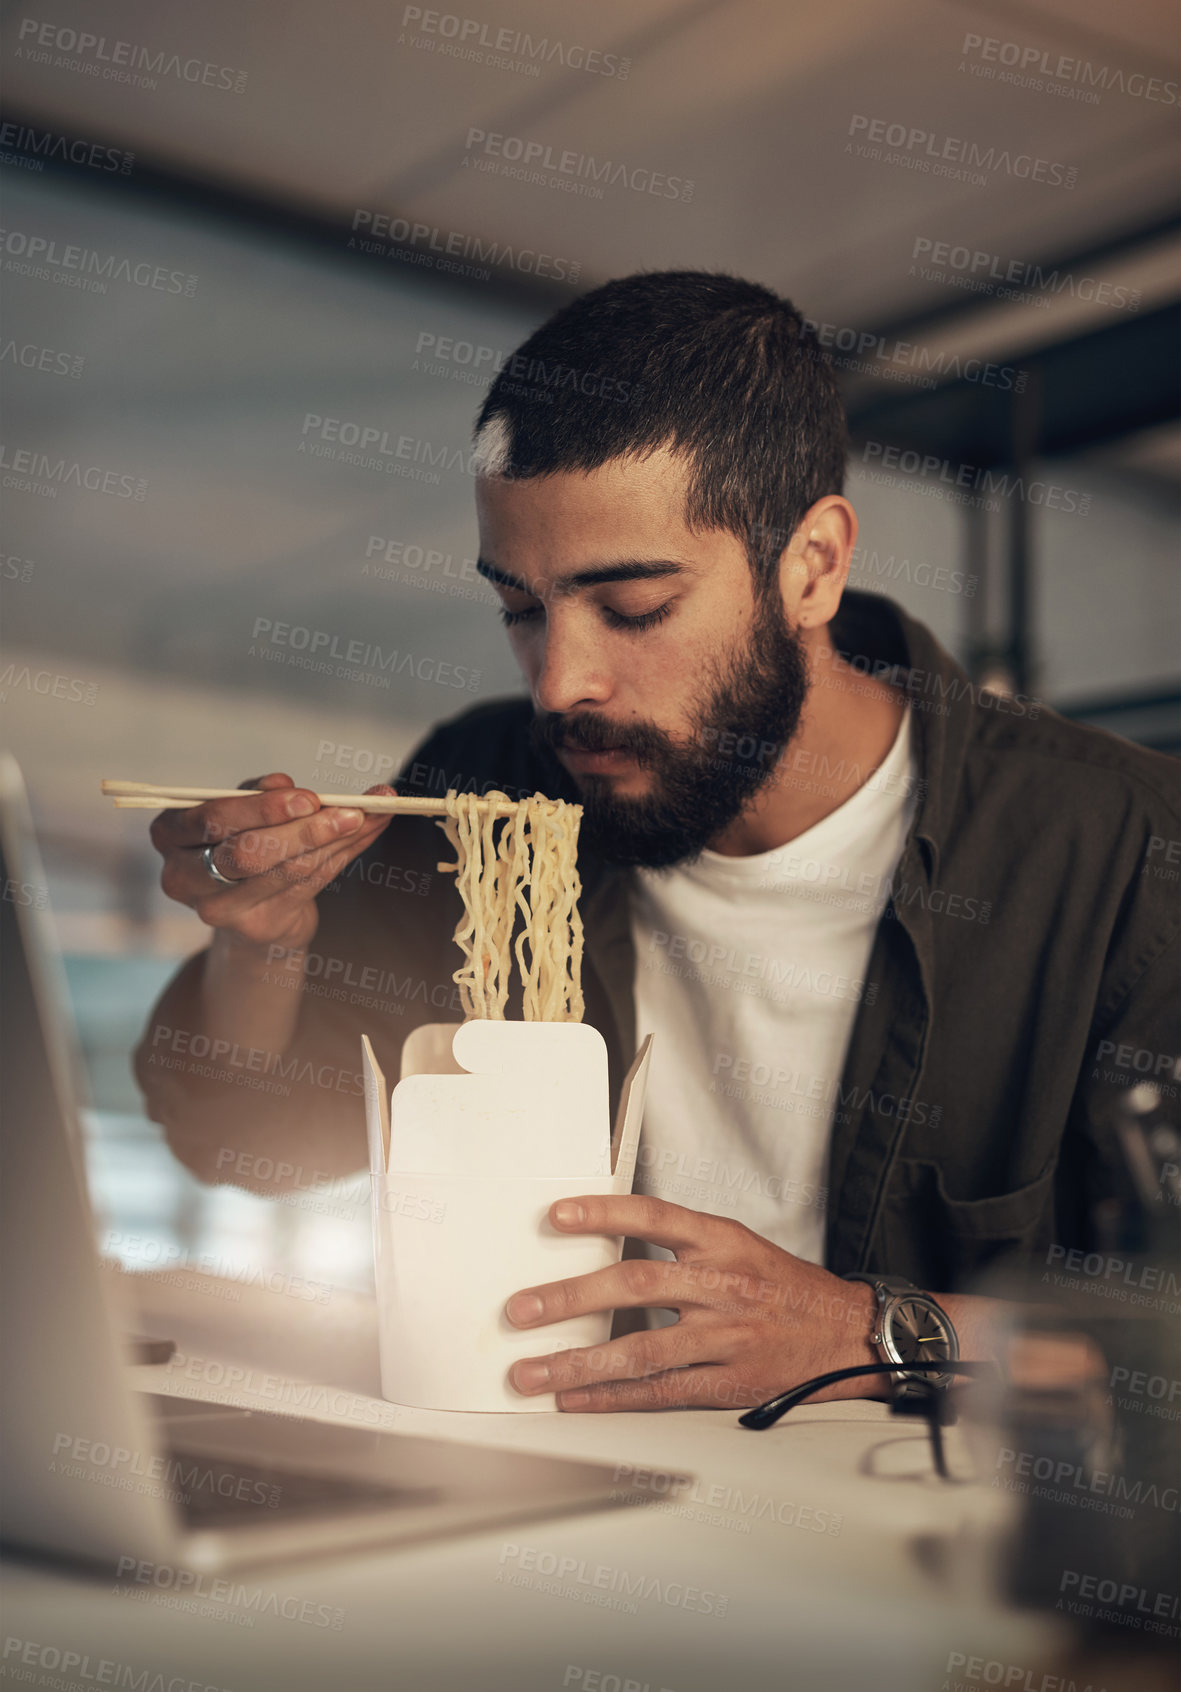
(879, 1606)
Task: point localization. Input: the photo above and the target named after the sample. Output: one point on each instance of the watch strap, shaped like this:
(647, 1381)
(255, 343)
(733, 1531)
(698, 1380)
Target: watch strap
(891, 1283)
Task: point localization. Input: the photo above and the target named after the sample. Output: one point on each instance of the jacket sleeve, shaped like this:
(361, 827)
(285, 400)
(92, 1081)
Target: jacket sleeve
(380, 964)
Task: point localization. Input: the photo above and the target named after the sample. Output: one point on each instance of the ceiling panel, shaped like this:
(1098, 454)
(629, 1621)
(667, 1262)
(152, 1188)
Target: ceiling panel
(766, 108)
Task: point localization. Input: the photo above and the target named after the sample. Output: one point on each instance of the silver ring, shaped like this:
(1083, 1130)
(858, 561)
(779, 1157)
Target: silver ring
(226, 880)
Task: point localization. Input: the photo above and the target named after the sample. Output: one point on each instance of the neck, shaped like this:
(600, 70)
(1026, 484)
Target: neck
(848, 726)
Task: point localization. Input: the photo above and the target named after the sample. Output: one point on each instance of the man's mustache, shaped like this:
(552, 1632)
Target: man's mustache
(590, 732)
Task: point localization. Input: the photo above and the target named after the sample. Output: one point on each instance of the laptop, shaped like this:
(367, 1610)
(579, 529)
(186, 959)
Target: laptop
(92, 1469)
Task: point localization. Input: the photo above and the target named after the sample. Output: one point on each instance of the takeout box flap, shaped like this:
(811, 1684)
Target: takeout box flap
(377, 1109)
(492, 1097)
(625, 1140)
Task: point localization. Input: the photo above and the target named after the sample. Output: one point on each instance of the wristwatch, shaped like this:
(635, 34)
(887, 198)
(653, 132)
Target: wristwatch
(910, 1327)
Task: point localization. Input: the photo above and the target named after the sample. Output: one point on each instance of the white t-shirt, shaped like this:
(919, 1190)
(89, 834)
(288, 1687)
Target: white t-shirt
(749, 972)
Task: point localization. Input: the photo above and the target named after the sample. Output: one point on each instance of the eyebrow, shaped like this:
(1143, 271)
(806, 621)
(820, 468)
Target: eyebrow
(627, 570)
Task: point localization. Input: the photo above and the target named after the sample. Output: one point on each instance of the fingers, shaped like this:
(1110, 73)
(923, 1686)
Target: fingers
(280, 844)
(217, 819)
(283, 850)
(636, 1283)
(632, 1358)
(264, 860)
(276, 779)
(709, 1388)
(652, 1219)
(263, 910)
(372, 824)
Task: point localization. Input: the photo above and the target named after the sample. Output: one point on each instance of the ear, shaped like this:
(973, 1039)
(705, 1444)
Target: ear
(814, 567)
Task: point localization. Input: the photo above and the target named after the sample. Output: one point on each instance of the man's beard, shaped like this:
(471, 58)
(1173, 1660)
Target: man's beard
(700, 786)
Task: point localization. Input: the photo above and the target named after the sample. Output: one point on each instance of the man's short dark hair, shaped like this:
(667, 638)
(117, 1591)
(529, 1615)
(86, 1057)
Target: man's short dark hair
(720, 370)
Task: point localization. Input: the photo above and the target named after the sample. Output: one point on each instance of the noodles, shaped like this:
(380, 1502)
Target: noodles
(521, 864)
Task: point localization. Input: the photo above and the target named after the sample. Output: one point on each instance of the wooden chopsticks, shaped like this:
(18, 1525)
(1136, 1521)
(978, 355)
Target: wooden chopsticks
(147, 796)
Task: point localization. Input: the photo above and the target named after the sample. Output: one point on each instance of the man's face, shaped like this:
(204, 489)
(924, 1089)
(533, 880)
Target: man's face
(661, 683)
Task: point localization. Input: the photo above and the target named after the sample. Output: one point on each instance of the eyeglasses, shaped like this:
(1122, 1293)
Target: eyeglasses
(930, 1399)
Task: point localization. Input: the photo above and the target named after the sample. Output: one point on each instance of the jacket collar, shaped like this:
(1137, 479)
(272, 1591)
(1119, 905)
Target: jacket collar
(876, 636)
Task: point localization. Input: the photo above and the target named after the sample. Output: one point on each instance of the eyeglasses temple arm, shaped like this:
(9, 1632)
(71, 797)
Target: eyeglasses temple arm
(766, 1415)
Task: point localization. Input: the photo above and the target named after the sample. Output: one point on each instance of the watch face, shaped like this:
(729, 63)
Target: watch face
(916, 1331)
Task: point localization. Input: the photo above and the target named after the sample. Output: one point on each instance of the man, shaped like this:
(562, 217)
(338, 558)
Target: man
(883, 925)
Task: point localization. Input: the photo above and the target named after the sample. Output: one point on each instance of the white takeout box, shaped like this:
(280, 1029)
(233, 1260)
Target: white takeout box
(490, 1123)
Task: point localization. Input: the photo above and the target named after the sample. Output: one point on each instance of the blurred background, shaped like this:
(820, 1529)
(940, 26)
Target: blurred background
(260, 265)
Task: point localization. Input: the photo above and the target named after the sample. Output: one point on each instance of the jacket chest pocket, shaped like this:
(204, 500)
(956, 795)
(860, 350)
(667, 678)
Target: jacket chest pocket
(943, 1243)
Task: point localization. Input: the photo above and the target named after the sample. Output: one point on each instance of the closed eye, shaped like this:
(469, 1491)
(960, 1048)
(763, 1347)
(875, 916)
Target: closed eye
(614, 619)
(647, 620)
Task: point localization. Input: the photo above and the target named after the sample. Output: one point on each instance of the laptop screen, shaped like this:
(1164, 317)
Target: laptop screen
(66, 1408)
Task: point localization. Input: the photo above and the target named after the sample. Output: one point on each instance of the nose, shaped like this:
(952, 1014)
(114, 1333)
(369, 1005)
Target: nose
(570, 671)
